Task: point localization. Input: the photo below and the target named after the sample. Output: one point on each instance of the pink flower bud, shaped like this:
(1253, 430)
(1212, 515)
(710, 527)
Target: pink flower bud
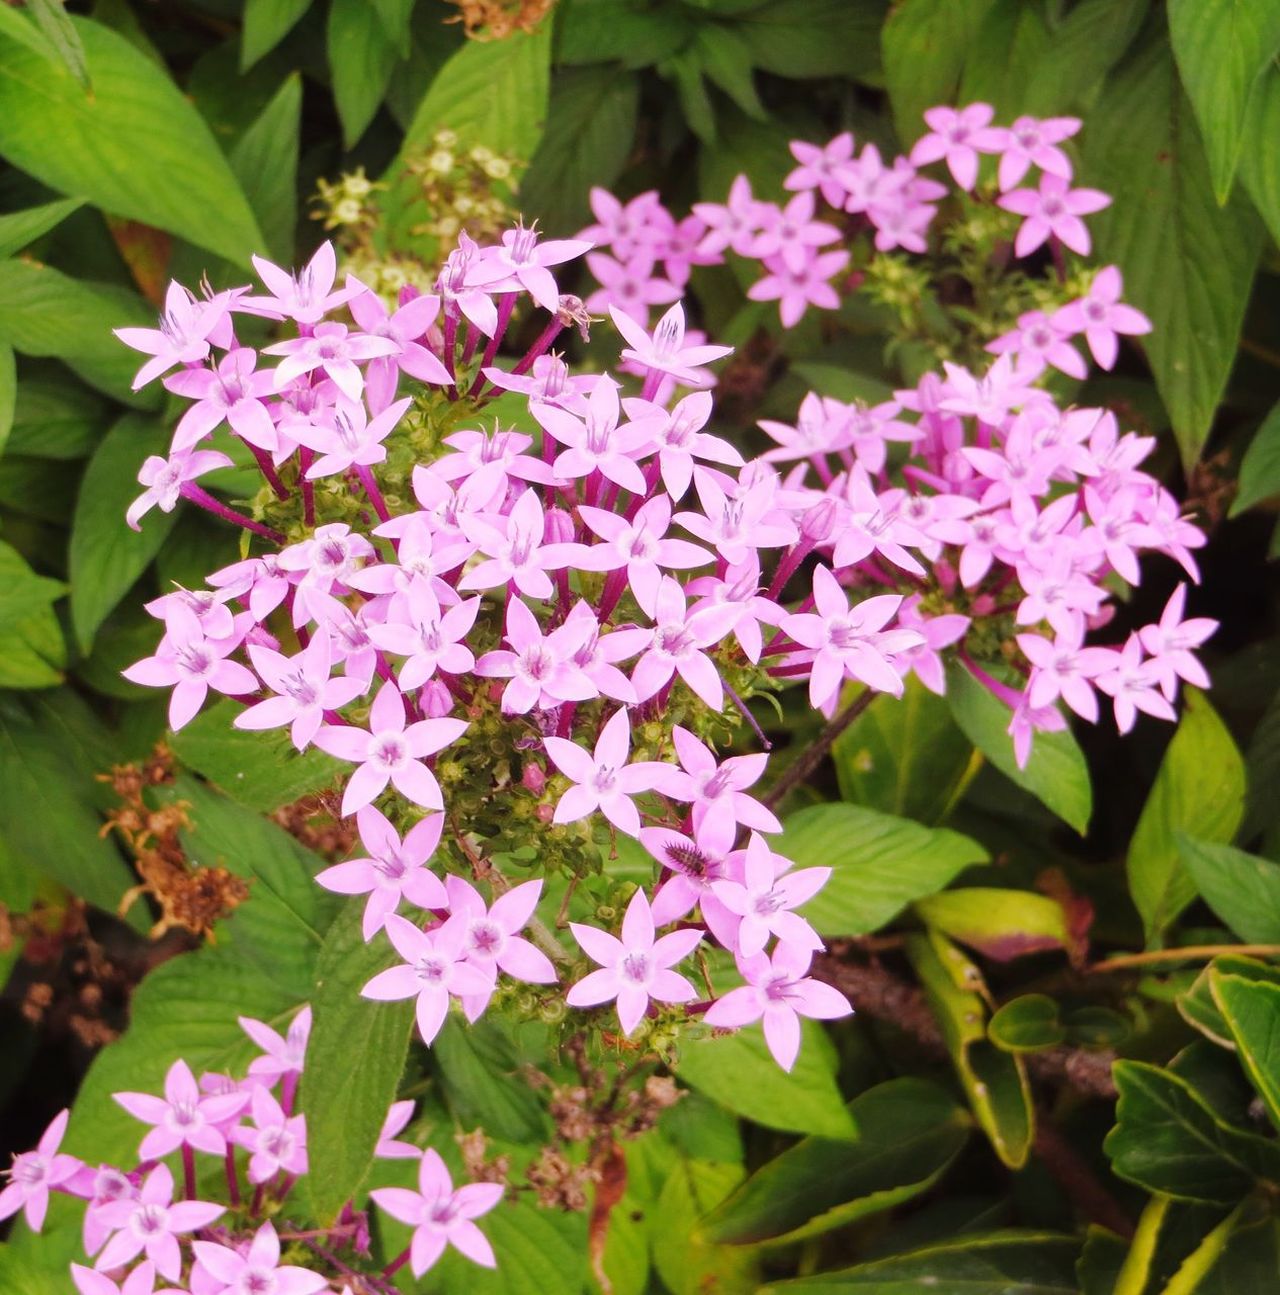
(818, 522)
(559, 527)
(534, 778)
(435, 699)
(984, 605)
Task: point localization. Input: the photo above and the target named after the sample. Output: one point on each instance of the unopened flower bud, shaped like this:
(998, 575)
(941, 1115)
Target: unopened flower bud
(409, 292)
(558, 528)
(819, 521)
(534, 778)
(435, 699)
(984, 605)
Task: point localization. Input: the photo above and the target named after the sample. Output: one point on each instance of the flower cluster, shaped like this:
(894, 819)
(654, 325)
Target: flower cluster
(141, 1226)
(552, 631)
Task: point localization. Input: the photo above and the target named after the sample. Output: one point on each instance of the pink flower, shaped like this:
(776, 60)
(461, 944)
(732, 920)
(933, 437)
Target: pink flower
(491, 939)
(191, 664)
(152, 1224)
(1132, 684)
(390, 752)
(1053, 210)
(676, 437)
(820, 167)
(521, 263)
(1101, 315)
(624, 226)
(696, 866)
(679, 643)
(665, 351)
(958, 135)
(333, 348)
(183, 1117)
(514, 547)
(398, 1117)
(1039, 340)
(435, 967)
(542, 671)
(186, 327)
(441, 1216)
(347, 437)
(1032, 142)
(1170, 642)
(35, 1173)
(282, 1056)
(604, 780)
(765, 896)
(259, 1269)
(733, 224)
(303, 687)
(799, 286)
(277, 1142)
(307, 297)
(394, 869)
(634, 968)
(791, 232)
(849, 642)
(404, 328)
(141, 1281)
(164, 480)
(596, 443)
(1064, 668)
(631, 285)
(778, 990)
(232, 391)
(741, 519)
(430, 640)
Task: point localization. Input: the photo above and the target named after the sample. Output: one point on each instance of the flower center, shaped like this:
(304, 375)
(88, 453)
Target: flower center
(635, 966)
(390, 752)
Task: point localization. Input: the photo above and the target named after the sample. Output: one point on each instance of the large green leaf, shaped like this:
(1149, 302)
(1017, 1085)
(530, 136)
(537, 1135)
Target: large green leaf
(1198, 1006)
(590, 132)
(814, 38)
(362, 54)
(261, 770)
(1056, 773)
(265, 159)
(1222, 47)
(55, 419)
(19, 228)
(106, 556)
(479, 1073)
(604, 31)
(738, 1072)
(910, 1132)
(1200, 790)
(1086, 44)
(537, 1250)
(995, 1081)
(905, 756)
(133, 145)
(1008, 50)
(1260, 467)
(1251, 1011)
(993, 1263)
(1168, 1139)
(687, 1264)
(1242, 889)
(21, 590)
(880, 864)
(1187, 262)
(355, 1057)
(1259, 161)
(266, 23)
(999, 923)
(48, 313)
(48, 807)
(924, 44)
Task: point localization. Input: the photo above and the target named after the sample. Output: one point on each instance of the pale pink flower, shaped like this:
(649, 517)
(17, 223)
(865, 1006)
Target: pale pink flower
(958, 136)
(740, 519)
(334, 349)
(258, 1269)
(542, 670)
(276, 1141)
(151, 1224)
(677, 438)
(347, 437)
(232, 391)
(514, 549)
(393, 870)
(186, 327)
(763, 899)
(1101, 316)
(1134, 685)
(435, 967)
(520, 263)
(820, 167)
(631, 285)
(791, 232)
(666, 351)
(183, 1116)
(491, 938)
(1053, 210)
(1065, 668)
(430, 639)
(440, 1215)
(141, 1281)
(796, 287)
(696, 866)
(779, 991)
(624, 226)
(164, 480)
(390, 752)
(404, 328)
(1039, 340)
(306, 297)
(35, 1173)
(634, 968)
(1032, 141)
(398, 1116)
(283, 1056)
(679, 643)
(596, 442)
(1170, 642)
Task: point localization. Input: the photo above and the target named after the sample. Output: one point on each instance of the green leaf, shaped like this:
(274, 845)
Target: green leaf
(493, 93)
(1222, 47)
(105, 555)
(602, 31)
(1085, 46)
(725, 60)
(687, 1264)
(53, 21)
(905, 756)
(265, 160)
(924, 44)
(814, 38)
(1198, 1006)
(87, 145)
(261, 770)
(1168, 1139)
(33, 652)
(1242, 889)
(999, 923)
(881, 864)
(1259, 163)
(480, 1075)
(20, 228)
(590, 132)
(1187, 262)
(1026, 1024)
(1260, 467)
(737, 1071)
(266, 24)
(1262, 770)
(21, 590)
(994, 1263)
(910, 1133)
(55, 420)
(1056, 773)
(1200, 789)
(994, 1081)
(1251, 1011)
(842, 383)
(1010, 47)
(48, 813)
(8, 392)
(355, 1057)
(361, 56)
(537, 1251)
(48, 313)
